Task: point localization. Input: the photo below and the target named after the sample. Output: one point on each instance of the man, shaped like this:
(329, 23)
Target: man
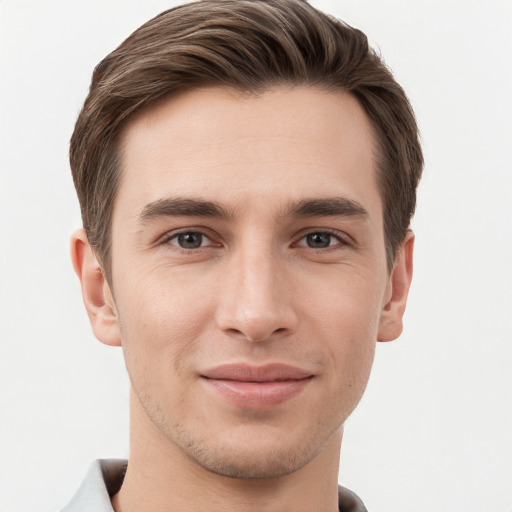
(246, 171)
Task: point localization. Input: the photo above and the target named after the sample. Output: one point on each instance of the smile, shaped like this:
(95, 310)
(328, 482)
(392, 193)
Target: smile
(252, 387)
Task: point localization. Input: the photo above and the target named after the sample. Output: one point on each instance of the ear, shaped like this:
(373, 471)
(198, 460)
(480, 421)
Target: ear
(96, 294)
(390, 324)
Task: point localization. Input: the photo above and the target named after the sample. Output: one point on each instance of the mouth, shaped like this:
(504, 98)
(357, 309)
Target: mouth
(256, 387)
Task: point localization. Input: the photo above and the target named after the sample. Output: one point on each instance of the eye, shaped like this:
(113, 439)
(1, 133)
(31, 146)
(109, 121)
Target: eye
(189, 240)
(320, 240)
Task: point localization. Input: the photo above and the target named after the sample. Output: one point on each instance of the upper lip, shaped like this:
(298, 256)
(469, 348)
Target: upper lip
(250, 373)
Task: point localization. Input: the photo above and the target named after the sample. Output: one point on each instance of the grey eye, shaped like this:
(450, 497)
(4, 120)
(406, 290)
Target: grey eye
(319, 240)
(189, 240)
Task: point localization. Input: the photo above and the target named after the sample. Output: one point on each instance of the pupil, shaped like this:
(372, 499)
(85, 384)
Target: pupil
(319, 240)
(190, 240)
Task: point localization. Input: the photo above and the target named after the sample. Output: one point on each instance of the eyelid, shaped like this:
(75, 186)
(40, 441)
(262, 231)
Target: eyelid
(343, 238)
(170, 235)
(204, 240)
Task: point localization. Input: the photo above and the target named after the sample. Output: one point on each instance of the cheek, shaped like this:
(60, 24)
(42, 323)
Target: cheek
(348, 302)
(351, 350)
(346, 317)
(160, 321)
(352, 347)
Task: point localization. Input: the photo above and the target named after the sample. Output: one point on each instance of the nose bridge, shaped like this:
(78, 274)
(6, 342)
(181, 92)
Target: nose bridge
(260, 277)
(256, 301)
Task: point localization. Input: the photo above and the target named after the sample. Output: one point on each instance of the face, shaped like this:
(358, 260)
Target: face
(249, 273)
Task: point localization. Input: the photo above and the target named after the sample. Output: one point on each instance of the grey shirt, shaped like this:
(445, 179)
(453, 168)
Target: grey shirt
(105, 477)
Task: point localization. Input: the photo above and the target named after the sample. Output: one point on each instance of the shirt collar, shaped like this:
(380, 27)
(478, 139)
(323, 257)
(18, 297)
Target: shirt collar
(105, 477)
(103, 480)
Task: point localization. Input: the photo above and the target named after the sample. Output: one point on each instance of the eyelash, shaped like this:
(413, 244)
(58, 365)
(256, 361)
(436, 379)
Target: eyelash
(341, 238)
(168, 239)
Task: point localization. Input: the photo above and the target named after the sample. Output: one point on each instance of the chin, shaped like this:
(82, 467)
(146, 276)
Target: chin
(254, 470)
(255, 464)
(251, 454)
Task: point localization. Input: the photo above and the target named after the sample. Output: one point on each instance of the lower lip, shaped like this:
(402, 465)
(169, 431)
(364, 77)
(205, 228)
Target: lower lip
(256, 395)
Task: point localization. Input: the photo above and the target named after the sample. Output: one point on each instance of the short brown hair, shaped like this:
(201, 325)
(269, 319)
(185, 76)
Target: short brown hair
(249, 45)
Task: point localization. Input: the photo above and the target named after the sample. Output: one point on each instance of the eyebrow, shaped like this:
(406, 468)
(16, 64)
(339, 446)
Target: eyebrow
(326, 207)
(184, 207)
(191, 207)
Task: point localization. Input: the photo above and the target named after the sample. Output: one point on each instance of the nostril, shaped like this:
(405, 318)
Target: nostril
(259, 336)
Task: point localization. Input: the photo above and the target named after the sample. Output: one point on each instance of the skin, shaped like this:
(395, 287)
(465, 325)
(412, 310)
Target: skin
(263, 284)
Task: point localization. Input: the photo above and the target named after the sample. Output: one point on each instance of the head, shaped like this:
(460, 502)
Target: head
(246, 172)
(249, 46)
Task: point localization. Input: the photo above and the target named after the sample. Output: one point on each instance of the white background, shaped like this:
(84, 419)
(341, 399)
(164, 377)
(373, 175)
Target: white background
(434, 430)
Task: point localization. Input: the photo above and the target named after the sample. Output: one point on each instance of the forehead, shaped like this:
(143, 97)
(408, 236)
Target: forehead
(246, 149)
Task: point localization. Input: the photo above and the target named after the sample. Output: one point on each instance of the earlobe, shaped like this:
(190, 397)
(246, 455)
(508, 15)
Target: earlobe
(390, 324)
(96, 292)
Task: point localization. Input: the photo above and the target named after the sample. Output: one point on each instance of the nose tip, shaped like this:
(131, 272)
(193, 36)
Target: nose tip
(257, 329)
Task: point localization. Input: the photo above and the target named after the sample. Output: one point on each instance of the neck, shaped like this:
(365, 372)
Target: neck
(161, 478)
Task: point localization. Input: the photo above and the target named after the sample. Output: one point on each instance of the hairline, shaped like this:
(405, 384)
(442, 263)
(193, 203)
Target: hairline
(118, 145)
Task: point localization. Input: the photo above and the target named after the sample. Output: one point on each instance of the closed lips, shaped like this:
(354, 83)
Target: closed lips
(274, 372)
(256, 387)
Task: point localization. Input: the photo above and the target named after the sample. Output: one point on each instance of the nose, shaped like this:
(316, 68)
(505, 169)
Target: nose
(255, 301)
